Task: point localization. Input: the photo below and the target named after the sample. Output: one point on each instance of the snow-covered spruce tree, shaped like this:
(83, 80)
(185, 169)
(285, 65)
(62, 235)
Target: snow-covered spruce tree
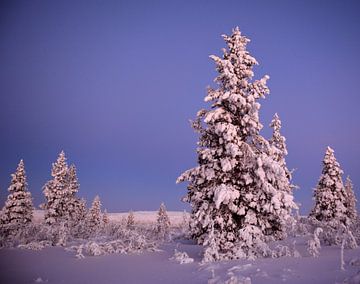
(330, 195)
(56, 192)
(93, 218)
(351, 200)
(78, 224)
(279, 145)
(79, 213)
(105, 218)
(75, 206)
(162, 222)
(238, 185)
(18, 209)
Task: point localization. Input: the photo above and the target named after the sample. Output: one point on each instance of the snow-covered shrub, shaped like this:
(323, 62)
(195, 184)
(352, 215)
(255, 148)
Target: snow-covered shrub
(63, 234)
(211, 252)
(35, 245)
(239, 190)
(295, 253)
(281, 251)
(314, 243)
(303, 226)
(123, 241)
(93, 248)
(130, 220)
(162, 223)
(182, 257)
(79, 252)
(237, 279)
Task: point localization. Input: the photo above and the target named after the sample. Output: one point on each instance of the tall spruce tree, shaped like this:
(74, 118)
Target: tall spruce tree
(239, 194)
(56, 192)
(330, 195)
(74, 204)
(18, 209)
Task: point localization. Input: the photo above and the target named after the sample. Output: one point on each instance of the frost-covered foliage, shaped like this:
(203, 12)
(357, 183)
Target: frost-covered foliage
(130, 220)
(314, 243)
(162, 222)
(185, 225)
(18, 209)
(238, 185)
(330, 195)
(118, 238)
(182, 257)
(211, 252)
(351, 200)
(93, 218)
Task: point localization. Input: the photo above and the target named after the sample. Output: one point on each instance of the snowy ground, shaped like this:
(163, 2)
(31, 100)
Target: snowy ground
(56, 265)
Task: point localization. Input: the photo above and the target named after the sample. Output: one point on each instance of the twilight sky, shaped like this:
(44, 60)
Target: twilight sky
(114, 83)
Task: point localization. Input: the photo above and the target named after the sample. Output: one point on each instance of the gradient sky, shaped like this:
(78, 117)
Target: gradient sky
(114, 83)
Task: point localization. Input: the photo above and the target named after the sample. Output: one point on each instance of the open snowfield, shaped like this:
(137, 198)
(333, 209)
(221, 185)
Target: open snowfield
(57, 265)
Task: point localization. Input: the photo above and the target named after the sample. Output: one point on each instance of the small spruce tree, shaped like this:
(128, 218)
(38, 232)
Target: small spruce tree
(163, 222)
(18, 209)
(279, 144)
(94, 216)
(351, 200)
(105, 218)
(330, 195)
(75, 207)
(130, 220)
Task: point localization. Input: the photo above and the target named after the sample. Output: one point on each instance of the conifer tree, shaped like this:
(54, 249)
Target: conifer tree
(163, 221)
(105, 218)
(351, 200)
(330, 195)
(74, 207)
(279, 144)
(80, 209)
(237, 186)
(56, 191)
(18, 209)
(94, 215)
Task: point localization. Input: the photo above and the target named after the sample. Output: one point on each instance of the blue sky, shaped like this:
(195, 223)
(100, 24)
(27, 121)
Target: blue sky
(114, 83)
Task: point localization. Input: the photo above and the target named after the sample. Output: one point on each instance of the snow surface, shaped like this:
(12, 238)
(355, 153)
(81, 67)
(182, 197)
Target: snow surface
(56, 265)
